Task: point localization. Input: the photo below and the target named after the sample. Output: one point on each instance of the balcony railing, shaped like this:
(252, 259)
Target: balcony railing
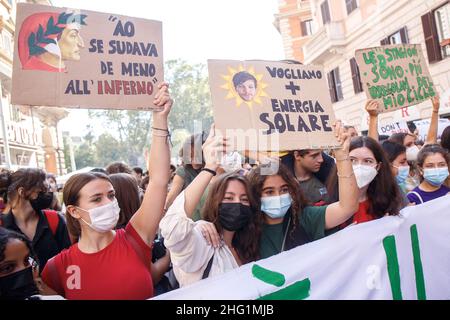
(327, 41)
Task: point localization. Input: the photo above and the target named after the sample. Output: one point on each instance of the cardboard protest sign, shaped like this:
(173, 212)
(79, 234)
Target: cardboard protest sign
(271, 106)
(424, 125)
(396, 76)
(73, 58)
(393, 127)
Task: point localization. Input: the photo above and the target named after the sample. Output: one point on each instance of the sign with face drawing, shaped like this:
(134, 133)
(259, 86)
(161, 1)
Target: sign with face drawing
(72, 58)
(271, 106)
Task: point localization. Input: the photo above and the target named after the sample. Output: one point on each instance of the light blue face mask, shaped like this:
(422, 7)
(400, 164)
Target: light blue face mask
(435, 176)
(402, 174)
(277, 206)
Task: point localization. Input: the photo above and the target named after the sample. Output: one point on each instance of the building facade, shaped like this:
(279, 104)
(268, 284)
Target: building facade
(295, 24)
(344, 26)
(32, 132)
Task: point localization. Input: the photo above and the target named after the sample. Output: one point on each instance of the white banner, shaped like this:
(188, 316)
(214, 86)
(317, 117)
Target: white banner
(423, 126)
(402, 257)
(392, 127)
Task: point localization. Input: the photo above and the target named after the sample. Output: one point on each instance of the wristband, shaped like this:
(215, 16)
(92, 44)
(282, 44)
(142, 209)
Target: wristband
(210, 171)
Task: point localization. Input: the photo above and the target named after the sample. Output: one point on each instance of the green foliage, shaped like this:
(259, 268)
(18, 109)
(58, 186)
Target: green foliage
(127, 133)
(67, 154)
(189, 89)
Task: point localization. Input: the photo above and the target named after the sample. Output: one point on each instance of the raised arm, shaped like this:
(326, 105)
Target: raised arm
(372, 110)
(175, 189)
(160, 267)
(213, 148)
(145, 221)
(433, 130)
(347, 205)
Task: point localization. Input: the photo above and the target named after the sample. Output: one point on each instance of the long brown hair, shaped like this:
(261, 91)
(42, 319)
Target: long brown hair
(127, 195)
(298, 199)
(71, 196)
(245, 240)
(27, 178)
(383, 193)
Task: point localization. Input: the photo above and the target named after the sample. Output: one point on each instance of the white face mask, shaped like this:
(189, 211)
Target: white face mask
(104, 218)
(411, 153)
(364, 175)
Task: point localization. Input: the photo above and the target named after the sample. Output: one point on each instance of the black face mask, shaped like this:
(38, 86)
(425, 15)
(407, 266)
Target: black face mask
(43, 201)
(234, 216)
(18, 286)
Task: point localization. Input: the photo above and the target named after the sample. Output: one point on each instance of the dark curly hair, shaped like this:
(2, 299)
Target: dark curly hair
(245, 240)
(383, 193)
(299, 201)
(27, 178)
(393, 149)
(445, 139)
(6, 235)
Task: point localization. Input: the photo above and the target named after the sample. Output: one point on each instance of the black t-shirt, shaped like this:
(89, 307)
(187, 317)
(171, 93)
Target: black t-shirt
(45, 245)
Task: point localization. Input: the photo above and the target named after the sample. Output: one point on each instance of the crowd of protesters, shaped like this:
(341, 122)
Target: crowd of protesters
(121, 233)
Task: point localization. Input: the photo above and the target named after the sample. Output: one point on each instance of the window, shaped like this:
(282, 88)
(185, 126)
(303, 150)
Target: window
(7, 43)
(351, 5)
(398, 37)
(442, 18)
(14, 113)
(395, 38)
(356, 76)
(335, 85)
(436, 31)
(307, 28)
(23, 159)
(325, 9)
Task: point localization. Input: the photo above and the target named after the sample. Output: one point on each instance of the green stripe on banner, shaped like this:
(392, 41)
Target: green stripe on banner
(420, 281)
(297, 291)
(268, 276)
(392, 265)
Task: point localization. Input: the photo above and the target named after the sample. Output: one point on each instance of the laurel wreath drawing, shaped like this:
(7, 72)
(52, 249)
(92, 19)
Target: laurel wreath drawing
(36, 41)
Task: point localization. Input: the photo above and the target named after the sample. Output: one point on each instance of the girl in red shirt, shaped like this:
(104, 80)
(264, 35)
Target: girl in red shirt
(108, 263)
(379, 194)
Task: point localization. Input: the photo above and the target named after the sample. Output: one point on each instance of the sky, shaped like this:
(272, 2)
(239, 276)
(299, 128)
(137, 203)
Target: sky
(195, 31)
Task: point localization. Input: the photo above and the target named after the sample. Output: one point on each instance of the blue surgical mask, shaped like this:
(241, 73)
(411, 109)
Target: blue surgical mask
(277, 206)
(402, 174)
(435, 176)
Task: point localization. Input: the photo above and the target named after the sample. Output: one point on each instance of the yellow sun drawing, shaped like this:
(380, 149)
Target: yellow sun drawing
(233, 94)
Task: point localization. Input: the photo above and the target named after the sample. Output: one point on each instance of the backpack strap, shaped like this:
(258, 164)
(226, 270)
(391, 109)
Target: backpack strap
(139, 250)
(208, 268)
(417, 195)
(52, 219)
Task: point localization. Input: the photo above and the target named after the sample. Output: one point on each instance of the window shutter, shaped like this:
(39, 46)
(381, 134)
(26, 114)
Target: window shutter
(337, 78)
(348, 3)
(325, 9)
(356, 76)
(431, 38)
(304, 30)
(404, 35)
(331, 86)
(351, 5)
